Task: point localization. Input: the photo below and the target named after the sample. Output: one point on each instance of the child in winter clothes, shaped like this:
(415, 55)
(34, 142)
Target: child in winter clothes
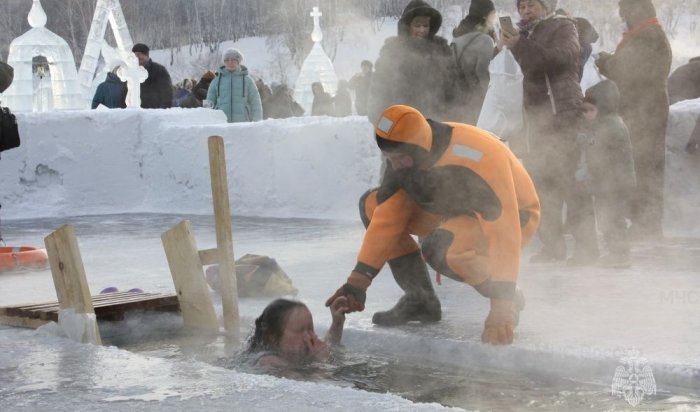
(608, 169)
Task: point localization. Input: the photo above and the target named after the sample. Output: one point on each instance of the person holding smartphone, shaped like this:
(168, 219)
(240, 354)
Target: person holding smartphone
(547, 48)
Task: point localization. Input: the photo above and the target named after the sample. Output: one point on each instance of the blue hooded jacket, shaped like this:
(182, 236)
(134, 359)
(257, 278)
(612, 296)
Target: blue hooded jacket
(235, 93)
(111, 93)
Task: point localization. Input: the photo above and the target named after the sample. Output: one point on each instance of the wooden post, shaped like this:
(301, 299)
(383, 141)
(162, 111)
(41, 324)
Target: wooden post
(69, 276)
(188, 276)
(224, 235)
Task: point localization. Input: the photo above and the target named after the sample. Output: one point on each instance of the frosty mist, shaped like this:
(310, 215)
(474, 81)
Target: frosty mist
(279, 169)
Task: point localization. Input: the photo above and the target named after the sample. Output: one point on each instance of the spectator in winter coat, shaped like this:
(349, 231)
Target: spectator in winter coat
(684, 82)
(609, 169)
(640, 67)
(414, 68)
(587, 35)
(181, 94)
(199, 91)
(547, 49)
(473, 48)
(360, 84)
(323, 102)
(234, 92)
(110, 93)
(265, 95)
(157, 90)
(342, 102)
(6, 76)
(281, 104)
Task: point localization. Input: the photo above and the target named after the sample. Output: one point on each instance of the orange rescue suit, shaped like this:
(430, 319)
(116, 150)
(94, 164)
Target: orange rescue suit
(469, 198)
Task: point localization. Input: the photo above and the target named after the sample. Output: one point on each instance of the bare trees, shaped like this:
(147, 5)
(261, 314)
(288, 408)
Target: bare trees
(173, 23)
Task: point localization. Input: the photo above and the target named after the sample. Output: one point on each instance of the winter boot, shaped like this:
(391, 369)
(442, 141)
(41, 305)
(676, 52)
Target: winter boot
(420, 303)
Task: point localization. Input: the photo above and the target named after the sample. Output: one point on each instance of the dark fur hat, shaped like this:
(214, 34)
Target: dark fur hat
(481, 8)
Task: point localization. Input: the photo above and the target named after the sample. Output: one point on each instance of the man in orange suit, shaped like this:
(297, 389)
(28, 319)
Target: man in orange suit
(471, 201)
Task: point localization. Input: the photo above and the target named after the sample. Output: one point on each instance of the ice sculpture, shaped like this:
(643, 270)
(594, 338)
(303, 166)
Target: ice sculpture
(133, 75)
(106, 12)
(39, 41)
(317, 67)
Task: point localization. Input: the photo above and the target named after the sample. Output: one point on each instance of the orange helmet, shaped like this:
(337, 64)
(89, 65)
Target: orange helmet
(404, 129)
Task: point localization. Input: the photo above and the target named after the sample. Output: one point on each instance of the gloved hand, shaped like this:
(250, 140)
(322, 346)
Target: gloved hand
(354, 290)
(499, 325)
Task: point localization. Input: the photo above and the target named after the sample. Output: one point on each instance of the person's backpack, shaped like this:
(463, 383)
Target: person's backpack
(9, 134)
(464, 85)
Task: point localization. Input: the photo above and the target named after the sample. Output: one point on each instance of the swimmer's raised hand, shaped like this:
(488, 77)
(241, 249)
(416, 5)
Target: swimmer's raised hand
(339, 307)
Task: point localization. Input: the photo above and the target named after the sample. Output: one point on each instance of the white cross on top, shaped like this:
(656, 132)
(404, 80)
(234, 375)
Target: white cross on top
(317, 34)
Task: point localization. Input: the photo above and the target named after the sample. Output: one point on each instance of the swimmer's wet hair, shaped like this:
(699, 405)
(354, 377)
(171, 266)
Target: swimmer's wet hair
(269, 326)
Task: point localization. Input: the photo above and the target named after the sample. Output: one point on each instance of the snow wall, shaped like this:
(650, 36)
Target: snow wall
(128, 161)
(123, 161)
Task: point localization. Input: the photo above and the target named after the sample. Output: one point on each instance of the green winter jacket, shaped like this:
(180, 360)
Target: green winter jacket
(235, 93)
(609, 156)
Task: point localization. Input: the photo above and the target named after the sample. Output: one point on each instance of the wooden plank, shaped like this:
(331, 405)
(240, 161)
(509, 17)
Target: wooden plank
(188, 277)
(209, 256)
(97, 300)
(224, 236)
(19, 322)
(69, 275)
(141, 301)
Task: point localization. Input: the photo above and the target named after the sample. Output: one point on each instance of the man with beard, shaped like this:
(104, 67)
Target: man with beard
(470, 199)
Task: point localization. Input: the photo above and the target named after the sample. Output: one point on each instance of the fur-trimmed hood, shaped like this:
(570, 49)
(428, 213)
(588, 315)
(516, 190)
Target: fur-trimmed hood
(419, 8)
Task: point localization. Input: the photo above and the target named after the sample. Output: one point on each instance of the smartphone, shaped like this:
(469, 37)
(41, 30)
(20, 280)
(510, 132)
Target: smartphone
(507, 24)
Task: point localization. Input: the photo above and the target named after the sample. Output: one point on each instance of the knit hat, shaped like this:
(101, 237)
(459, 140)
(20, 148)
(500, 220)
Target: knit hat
(481, 8)
(549, 5)
(140, 48)
(233, 54)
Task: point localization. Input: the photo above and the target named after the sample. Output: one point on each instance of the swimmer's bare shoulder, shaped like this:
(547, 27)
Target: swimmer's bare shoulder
(272, 361)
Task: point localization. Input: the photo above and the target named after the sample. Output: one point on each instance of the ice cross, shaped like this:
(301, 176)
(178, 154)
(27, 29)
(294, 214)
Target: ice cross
(133, 75)
(107, 12)
(317, 34)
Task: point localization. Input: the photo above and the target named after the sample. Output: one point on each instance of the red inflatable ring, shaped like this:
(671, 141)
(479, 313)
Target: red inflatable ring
(22, 257)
